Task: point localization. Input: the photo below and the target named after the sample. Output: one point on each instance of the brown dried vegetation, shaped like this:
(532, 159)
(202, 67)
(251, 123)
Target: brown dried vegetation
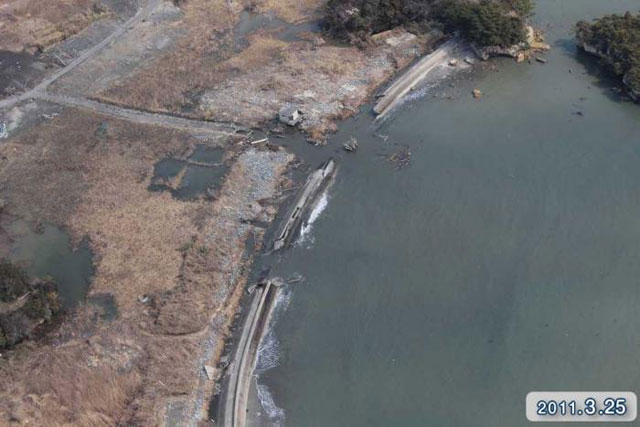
(95, 184)
(37, 24)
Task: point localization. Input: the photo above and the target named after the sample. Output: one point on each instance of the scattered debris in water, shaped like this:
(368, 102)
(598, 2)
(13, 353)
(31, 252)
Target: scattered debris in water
(401, 158)
(477, 93)
(351, 145)
(295, 278)
(541, 60)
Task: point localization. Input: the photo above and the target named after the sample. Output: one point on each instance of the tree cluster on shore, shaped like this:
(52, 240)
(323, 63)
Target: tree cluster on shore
(24, 304)
(484, 23)
(616, 39)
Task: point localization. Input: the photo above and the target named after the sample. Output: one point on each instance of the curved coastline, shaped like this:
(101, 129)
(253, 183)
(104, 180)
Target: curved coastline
(232, 408)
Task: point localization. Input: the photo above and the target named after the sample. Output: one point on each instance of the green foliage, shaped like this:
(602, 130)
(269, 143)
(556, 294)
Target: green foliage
(617, 39)
(523, 8)
(356, 19)
(487, 23)
(41, 303)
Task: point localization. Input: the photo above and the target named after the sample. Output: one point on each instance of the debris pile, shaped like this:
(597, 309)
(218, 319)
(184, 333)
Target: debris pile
(351, 145)
(401, 158)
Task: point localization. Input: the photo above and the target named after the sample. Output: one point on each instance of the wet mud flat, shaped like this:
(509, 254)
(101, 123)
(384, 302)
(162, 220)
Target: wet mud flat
(21, 71)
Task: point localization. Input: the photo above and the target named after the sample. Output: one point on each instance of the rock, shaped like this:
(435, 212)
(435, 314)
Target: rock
(469, 61)
(143, 299)
(453, 62)
(477, 93)
(541, 60)
(520, 58)
(351, 145)
(210, 371)
(490, 51)
(290, 115)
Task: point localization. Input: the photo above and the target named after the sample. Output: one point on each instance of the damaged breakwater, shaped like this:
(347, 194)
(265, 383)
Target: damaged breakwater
(392, 96)
(237, 391)
(237, 384)
(316, 182)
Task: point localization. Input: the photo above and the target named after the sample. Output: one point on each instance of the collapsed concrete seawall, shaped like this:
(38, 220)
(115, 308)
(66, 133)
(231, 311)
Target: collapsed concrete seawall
(232, 407)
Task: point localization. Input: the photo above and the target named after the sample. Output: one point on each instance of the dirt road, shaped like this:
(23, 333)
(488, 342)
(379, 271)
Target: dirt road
(142, 14)
(143, 117)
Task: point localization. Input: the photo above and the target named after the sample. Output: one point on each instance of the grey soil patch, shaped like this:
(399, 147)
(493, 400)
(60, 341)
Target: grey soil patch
(250, 22)
(47, 252)
(20, 71)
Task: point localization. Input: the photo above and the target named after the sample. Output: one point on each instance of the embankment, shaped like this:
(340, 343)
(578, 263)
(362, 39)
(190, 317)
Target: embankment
(232, 409)
(393, 95)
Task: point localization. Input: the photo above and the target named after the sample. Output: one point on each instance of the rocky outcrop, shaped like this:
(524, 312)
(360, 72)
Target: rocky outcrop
(535, 42)
(632, 89)
(490, 51)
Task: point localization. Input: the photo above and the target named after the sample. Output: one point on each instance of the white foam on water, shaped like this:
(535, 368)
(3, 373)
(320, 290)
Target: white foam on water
(275, 414)
(268, 357)
(305, 229)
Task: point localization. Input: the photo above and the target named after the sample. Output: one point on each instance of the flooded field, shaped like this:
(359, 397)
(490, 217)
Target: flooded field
(199, 175)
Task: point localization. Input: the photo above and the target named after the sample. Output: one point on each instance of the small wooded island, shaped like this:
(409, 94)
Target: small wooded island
(616, 40)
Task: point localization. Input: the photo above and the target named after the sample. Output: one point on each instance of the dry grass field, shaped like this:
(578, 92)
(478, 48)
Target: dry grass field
(90, 174)
(37, 24)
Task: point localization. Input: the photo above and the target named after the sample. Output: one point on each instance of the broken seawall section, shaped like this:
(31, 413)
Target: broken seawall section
(316, 183)
(237, 379)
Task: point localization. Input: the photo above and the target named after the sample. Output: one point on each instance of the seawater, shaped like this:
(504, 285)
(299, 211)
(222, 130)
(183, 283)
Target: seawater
(503, 260)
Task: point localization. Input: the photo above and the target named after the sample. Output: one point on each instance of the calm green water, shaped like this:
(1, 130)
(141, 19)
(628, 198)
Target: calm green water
(506, 259)
(49, 254)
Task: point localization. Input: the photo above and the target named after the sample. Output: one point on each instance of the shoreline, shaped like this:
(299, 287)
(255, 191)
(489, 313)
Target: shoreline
(218, 332)
(236, 384)
(411, 77)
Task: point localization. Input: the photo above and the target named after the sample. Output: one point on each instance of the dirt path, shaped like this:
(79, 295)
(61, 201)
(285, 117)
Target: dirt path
(143, 117)
(137, 116)
(142, 14)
